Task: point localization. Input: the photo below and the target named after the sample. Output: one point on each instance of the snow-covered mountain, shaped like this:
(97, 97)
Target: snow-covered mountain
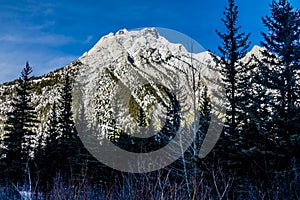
(131, 68)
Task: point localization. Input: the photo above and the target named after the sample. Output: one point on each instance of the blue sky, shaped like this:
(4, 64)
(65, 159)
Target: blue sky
(50, 34)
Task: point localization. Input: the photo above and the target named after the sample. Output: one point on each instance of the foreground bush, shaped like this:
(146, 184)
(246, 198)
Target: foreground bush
(161, 185)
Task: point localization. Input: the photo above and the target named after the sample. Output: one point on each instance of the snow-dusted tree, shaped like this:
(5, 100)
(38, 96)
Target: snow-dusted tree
(67, 126)
(47, 151)
(233, 71)
(205, 109)
(69, 144)
(18, 138)
(203, 112)
(279, 71)
(53, 124)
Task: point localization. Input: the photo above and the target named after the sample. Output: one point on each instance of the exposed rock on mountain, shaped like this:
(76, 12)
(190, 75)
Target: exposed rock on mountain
(136, 69)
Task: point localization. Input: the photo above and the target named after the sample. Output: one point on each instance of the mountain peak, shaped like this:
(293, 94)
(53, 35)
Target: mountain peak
(124, 43)
(138, 63)
(255, 51)
(129, 58)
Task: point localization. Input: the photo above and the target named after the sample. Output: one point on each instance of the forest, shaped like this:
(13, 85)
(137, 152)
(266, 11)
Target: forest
(256, 156)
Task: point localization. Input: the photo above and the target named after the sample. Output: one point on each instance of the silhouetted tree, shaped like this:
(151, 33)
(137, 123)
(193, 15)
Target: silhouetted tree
(232, 70)
(18, 139)
(279, 71)
(69, 144)
(47, 151)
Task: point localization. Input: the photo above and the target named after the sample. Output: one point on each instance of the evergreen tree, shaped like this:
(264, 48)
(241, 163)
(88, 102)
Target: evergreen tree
(205, 110)
(18, 139)
(280, 69)
(233, 72)
(67, 126)
(53, 131)
(46, 154)
(141, 119)
(70, 146)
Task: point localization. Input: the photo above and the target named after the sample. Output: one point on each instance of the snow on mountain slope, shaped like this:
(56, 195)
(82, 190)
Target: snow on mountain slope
(255, 51)
(140, 64)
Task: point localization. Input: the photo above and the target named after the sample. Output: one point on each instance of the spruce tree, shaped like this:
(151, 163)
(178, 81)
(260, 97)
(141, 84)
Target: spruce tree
(53, 131)
(205, 109)
(280, 69)
(69, 143)
(67, 126)
(233, 71)
(46, 154)
(18, 139)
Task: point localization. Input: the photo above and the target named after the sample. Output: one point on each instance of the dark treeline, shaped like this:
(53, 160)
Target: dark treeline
(259, 145)
(58, 150)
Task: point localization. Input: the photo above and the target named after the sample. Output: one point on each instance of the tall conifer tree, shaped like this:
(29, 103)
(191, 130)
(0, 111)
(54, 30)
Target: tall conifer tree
(233, 71)
(70, 146)
(19, 134)
(280, 69)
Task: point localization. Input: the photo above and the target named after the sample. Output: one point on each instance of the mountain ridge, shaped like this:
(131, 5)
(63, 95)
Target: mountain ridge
(129, 49)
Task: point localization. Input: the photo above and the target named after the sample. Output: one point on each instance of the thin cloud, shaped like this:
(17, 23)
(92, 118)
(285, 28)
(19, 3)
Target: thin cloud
(28, 7)
(42, 26)
(40, 38)
(9, 38)
(88, 39)
(58, 62)
(51, 39)
(11, 63)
